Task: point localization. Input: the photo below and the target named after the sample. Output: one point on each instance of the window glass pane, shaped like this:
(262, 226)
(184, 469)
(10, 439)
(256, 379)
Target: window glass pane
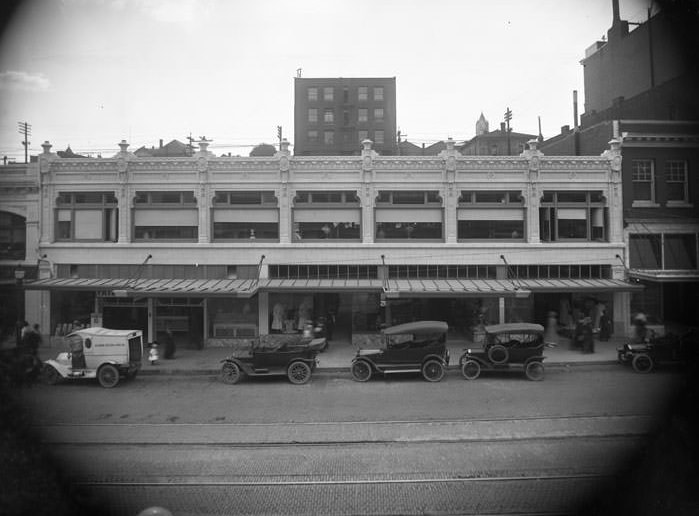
(326, 230)
(362, 115)
(572, 196)
(329, 137)
(378, 93)
(644, 251)
(313, 136)
(245, 197)
(88, 224)
(409, 230)
(312, 115)
(491, 229)
(362, 135)
(498, 197)
(363, 93)
(572, 228)
(378, 114)
(326, 196)
(312, 94)
(328, 93)
(88, 197)
(408, 197)
(328, 116)
(378, 137)
(246, 230)
(680, 251)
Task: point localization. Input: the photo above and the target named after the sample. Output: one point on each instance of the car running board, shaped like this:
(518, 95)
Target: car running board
(386, 371)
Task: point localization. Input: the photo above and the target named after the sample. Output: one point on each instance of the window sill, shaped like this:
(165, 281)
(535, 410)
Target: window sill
(644, 204)
(679, 204)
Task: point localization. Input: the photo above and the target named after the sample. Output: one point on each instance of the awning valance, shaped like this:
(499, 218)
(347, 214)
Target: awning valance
(121, 287)
(305, 284)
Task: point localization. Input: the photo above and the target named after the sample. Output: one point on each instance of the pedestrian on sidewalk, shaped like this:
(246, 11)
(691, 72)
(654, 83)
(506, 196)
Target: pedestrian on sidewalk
(169, 343)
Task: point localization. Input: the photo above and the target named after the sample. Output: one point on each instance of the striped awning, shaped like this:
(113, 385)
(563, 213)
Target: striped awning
(120, 287)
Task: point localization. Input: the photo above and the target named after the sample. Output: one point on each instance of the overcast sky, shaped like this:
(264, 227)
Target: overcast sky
(89, 73)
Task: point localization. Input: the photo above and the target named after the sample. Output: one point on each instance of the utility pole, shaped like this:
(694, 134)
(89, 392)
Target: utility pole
(25, 129)
(508, 117)
(279, 136)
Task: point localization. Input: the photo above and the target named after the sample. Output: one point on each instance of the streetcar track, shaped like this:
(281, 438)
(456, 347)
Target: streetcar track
(277, 483)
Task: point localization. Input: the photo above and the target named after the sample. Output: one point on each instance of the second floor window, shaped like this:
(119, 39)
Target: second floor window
(312, 94)
(328, 94)
(676, 180)
(642, 177)
(87, 216)
(328, 116)
(312, 115)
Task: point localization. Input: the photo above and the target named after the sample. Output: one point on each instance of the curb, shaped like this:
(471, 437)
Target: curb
(329, 370)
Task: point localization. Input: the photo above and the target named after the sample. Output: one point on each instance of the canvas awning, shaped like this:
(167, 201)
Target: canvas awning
(313, 285)
(120, 287)
(490, 287)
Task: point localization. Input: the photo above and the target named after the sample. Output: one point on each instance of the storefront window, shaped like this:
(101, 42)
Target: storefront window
(289, 313)
(233, 318)
(409, 230)
(366, 312)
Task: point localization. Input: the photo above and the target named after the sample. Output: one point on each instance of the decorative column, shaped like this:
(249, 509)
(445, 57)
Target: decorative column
(283, 193)
(532, 195)
(367, 195)
(449, 194)
(614, 200)
(46, 196)
(203, 193)
(124, 195)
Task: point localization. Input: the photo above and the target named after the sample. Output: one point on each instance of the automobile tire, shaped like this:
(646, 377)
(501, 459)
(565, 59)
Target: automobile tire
(231, 373)
(50, 376)
(470, 369)
(534, 371)
(498, 354)
(433, 371)
(299, 372)
(361, 371)
(642, 363)
(108, 376)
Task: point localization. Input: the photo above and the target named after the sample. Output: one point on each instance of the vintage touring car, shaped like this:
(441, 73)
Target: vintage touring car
(415, 347)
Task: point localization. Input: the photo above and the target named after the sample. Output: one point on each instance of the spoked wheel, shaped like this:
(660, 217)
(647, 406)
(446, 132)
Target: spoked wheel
(471, 369)
(534, 371)
(50, 376)
(498, 354)
(108, 376)
(642, 363)
(361, 371)
(433, 371)
(299, 373)
(231, 373)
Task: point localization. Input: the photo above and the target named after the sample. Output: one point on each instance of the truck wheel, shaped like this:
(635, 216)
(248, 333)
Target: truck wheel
(231, 373)
(50, 376)
(433, 371)
(471, 369)
(299, 373)
(108, 376)
(642, 363)
(498, 354)
(361, 371)
(534, 370)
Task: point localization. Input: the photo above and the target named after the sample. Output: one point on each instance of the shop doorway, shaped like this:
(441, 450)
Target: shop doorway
(134, 317)
(185, 319)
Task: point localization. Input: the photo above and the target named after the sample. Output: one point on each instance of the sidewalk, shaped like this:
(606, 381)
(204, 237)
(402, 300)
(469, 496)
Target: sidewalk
(338, 357)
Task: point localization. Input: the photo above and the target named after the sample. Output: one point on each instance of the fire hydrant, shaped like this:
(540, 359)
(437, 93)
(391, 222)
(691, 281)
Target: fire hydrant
(153, 353)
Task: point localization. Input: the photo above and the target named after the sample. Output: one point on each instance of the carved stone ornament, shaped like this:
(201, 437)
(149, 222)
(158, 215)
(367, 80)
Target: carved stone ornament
(284, 163)
(366, 163)
(616, 163)
(122, 165)
(201, 164)
(44, 165)
(451, 163)
(534, 163)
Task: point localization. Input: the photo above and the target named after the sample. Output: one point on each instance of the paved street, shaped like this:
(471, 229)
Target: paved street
(498, 445)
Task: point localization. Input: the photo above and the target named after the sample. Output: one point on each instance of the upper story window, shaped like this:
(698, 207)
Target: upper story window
(666, 251)
(363, 93)
(174, 198)
(312, 136)
(378, 93)
(362, 115)
(676, 181)
(378, 137)
(312, 115)
(252, 198)
(325, 197)
(312, 94)
(643, 180)
(328, 94)
(328, 116)
(490, 214)
(165, 215)
(13, 235)
(87, 216)
(345, 95)
(245, 215)
(378, 114)
(573, 215)
(329, 137)
(409, 197)
(362, 135)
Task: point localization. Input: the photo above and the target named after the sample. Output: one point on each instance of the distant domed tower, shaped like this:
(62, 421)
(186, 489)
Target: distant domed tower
(482, 126)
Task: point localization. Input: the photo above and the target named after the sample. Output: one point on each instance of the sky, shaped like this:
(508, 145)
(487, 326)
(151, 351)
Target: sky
(90, 73)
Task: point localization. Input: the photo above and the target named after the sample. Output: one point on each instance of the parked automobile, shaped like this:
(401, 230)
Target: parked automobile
(518, 344)
(668, 349)
(418, 347)
(99, 353)
(294, 358)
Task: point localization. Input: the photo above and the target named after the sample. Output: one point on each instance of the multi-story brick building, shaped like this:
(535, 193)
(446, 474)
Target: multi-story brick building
(640, 88)
(332, 116)
(224, 248)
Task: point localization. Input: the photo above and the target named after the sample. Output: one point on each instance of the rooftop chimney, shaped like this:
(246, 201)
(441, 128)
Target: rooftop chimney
(575, 109)
(161, 143)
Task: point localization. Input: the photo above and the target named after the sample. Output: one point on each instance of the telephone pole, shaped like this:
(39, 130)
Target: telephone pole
(508, 117)
(279, 136)
(25, 129)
